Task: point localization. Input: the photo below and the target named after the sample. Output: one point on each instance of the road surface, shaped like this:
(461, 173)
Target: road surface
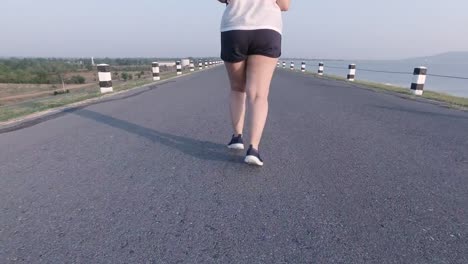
(350, 176)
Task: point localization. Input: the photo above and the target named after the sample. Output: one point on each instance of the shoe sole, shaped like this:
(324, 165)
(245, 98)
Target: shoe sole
(237, 146)
(252, 160)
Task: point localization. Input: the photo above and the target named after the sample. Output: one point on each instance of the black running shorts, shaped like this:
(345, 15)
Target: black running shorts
(237, 45)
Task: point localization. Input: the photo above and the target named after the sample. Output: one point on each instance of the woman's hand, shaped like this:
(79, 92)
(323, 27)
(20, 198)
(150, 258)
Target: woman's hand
(283, 4)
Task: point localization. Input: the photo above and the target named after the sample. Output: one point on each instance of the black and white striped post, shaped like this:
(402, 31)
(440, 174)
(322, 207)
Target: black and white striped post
(292, 65)
(200, 65)
(192, 66)
(419, 79)
(278, 64)
(155, 70)
(303, 66)
(206, 64)
(284, 65)
(352, 72)
(179, 68)
(320, 69)
(105, 78)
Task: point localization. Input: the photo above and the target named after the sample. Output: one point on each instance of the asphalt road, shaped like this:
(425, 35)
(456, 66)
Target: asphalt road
(350, 176)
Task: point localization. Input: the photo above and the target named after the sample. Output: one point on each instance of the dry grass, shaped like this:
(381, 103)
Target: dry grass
(448, 100)
(28, 105)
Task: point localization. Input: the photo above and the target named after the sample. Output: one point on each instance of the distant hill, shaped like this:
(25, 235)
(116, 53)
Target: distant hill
(454, 57)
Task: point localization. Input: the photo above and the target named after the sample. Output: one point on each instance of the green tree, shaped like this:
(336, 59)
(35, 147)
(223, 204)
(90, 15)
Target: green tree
(41, 77)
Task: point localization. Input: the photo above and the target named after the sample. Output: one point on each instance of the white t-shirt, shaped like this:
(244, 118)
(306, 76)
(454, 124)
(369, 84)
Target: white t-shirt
(252, 15)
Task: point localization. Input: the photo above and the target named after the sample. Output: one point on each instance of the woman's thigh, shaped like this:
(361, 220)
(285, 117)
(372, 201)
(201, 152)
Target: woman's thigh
(259, 73)
(237, 75)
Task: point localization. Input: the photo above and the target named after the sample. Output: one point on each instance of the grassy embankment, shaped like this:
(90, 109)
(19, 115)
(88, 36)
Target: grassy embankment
(18, 107)
(448, 100)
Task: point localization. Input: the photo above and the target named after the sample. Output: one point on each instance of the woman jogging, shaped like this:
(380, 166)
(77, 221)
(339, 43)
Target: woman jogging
(250, 47)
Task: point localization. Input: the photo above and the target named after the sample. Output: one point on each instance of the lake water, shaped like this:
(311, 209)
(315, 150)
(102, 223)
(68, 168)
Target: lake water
(456, 87)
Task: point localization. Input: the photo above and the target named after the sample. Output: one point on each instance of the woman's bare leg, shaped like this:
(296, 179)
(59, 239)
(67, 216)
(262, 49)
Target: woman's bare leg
(237, 79)
(259, 73)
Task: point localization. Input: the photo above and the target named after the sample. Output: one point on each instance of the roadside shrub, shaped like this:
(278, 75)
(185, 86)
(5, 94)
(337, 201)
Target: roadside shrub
(124, 76)
(76, 79)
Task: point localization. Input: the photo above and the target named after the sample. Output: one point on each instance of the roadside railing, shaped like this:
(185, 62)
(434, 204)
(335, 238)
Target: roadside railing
(420, 74)
(105, 75)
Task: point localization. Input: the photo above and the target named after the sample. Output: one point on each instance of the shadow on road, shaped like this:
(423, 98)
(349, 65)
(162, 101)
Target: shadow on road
(196, 148)
(47, 117)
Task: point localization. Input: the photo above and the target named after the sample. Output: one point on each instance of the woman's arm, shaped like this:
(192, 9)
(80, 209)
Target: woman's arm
(283, 4)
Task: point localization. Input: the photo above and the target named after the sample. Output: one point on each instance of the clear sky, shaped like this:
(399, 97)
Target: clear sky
(359, 29)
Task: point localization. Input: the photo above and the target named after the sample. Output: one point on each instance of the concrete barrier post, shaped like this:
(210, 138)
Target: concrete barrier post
(320, 69)
(352, 72)
(200, 65)
(192, 66)
(419, 79)
(156, 75)
(303, 66)
(105, 78)
(292, 65)
(179, 68)
(284, 65)
(278, 64)
(206, 64)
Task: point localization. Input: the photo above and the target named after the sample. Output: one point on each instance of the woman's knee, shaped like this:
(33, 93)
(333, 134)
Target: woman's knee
(257, 98)
(238, 87)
